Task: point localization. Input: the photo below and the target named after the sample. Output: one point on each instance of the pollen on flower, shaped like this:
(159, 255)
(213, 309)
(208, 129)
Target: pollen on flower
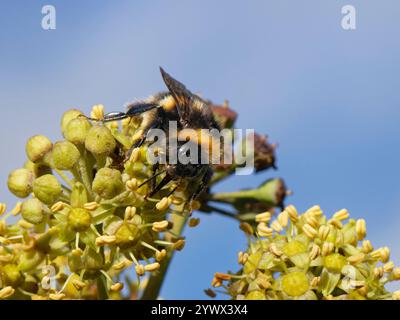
(310, 258)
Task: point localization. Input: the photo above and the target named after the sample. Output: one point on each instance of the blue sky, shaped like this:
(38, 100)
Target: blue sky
(329, 97)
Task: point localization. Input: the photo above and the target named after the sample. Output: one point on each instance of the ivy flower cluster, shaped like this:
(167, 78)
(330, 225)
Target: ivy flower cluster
(308, 257)
(85, 228)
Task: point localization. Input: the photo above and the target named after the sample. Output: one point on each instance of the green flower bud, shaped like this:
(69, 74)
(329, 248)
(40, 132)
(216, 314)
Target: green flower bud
(75, 263)
(100, 141)
(47, 189)
(11, 275)
(20, 182)
(29, 260)
(294, 248)
(127, 235)
(255, 295)
(79, 219)
(335, 262)
(108, 183)
(38, 169)
(37, 146)
(77, 130)
(271, 193)
(65, 155)
(67, 117)
(295, 284)
(32, 211)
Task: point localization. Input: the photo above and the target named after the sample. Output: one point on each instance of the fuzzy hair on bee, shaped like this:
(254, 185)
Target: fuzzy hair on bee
(188, 111)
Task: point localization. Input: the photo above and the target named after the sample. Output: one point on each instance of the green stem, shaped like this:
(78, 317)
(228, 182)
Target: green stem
(102, 287)
(156, 279)
(86, 177)
(224, 174)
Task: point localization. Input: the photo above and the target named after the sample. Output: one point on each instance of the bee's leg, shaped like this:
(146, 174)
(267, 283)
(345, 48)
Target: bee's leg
(163, 183)
(154, 169)
(205, 181)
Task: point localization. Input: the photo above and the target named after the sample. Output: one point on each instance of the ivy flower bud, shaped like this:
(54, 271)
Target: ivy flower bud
(264, 153)
(65, 155)
(108, 183)
(77, 130)
(32, 211)
(335, 262)
(67, 117)
(79, 219)
(36, 147)
(100, 141)
(20, 182)
(295, 284)
(361, 229)
(47, 189)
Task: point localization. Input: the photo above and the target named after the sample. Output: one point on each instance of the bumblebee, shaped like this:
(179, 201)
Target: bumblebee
(188, 111)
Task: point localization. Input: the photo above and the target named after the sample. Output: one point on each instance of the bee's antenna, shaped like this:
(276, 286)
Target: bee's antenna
(151, 178)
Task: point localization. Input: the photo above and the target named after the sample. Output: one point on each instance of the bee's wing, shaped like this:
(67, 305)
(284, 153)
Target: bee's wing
(182, 96)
